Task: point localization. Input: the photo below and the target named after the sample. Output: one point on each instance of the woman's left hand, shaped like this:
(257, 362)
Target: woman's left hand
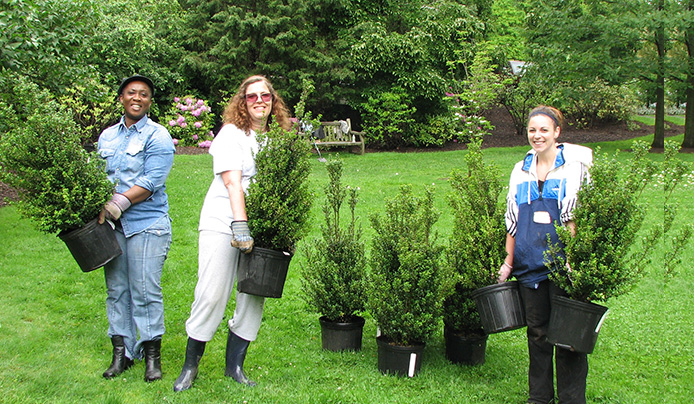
(241, 236)
(504, 272)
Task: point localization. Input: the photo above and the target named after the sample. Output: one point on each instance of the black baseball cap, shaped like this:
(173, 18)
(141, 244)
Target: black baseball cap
(136, 77)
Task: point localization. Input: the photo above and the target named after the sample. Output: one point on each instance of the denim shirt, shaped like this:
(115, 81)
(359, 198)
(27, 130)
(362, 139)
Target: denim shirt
(140, 155)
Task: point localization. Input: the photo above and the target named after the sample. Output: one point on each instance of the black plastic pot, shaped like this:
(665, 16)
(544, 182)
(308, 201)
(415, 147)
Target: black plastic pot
(465, 349)
(398, 359)
(336, 336)
(92, 245)
(263, 272)
(500, 307)
(575, 325)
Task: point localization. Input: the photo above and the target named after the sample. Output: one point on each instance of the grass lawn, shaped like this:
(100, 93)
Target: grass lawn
(650, 119)
(54, 347)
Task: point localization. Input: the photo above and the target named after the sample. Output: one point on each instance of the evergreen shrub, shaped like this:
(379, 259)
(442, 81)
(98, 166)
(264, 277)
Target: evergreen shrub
(279, 199)
(334, 277)
(475, 249)
(606, 254)
(61, 186)
(407, 282)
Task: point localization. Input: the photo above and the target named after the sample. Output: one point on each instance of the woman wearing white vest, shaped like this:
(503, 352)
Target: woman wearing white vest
(542, 191)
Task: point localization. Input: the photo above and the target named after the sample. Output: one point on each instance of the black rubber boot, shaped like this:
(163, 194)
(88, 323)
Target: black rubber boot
(152, 360)
(194, 351)
(120, 362)
(236, 354)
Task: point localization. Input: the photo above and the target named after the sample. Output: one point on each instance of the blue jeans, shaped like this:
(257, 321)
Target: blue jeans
(133, 282)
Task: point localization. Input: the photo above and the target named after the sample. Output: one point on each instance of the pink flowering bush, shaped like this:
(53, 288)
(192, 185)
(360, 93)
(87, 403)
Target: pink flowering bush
(190, 121)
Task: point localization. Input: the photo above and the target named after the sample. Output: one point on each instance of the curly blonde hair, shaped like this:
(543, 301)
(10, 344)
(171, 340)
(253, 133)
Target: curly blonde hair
(236, 112)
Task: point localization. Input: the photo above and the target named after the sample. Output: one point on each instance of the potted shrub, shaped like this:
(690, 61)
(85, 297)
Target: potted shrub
(474, 254)
(61, 186)
(333, 278)
(278, 205)
(407, 282)
(605, 253)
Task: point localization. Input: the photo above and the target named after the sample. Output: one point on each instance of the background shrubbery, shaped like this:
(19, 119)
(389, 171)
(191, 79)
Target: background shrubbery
(597, 61)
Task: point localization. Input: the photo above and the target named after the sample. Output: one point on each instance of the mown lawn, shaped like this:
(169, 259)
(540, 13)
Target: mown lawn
(54, 347)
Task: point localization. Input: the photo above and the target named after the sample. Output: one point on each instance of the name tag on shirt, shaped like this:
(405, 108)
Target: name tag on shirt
(542, 217)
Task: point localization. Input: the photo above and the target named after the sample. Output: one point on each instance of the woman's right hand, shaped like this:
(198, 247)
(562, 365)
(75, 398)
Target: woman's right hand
(504, 272)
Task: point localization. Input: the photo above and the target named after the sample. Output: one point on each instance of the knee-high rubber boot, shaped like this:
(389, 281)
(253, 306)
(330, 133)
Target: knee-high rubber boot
(194, 351)
(152, 360)
(235, 355)
(120, 362)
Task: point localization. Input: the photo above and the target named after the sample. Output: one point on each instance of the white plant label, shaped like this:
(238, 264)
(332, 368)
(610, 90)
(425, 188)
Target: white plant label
(413, 361)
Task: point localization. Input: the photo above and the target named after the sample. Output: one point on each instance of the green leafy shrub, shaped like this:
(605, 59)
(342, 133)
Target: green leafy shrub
(407, 282)
(435, 131)
(334, 276)
(609, 249)
(595, 103)
(190, 121)
(388, 119)
(476, 246)
(93, 108)
(61, 186)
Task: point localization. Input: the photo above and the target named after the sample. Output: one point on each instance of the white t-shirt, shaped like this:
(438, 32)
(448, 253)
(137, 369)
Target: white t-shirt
(231, 149)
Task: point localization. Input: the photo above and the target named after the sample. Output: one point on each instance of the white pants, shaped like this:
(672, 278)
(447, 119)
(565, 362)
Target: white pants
(217, 265)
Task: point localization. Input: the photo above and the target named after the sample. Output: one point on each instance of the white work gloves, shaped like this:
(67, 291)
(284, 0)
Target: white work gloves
(114, 208)
(504, 272)
(241, 236)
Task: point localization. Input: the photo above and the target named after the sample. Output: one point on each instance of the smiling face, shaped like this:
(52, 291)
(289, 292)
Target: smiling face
(542, 133)
(258, 110)
(136, 99)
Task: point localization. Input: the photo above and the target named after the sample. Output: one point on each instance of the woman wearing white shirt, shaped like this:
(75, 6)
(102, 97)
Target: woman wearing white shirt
(224, 231)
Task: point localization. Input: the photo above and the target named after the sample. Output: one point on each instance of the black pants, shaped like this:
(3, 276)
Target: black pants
(572, 367)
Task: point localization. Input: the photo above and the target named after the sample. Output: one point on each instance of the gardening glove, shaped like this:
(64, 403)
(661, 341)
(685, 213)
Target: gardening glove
(114, 208)
(504, 272)
(241, 236)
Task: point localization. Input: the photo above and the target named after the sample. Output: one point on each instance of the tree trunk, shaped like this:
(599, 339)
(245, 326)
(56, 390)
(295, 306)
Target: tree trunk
(688, 141)
(659, 137)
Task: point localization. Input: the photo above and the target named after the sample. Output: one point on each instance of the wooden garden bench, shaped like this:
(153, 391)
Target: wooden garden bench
(338, 133)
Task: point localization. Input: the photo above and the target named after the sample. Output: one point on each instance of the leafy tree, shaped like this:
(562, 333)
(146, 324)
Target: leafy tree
(421, 50)
(388, 116)
(286, 40)
(578, 41)
(42, 39)
(136, 37)
(505, 38)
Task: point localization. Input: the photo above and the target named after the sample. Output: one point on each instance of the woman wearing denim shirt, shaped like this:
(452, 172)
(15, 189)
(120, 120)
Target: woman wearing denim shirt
(139, 155)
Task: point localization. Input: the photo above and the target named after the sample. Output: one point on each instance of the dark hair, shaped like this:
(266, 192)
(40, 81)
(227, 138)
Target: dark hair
(236, 112)
(551, 112)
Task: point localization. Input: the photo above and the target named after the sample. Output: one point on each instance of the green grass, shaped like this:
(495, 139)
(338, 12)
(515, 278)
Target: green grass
(650, 119)
(53, 342)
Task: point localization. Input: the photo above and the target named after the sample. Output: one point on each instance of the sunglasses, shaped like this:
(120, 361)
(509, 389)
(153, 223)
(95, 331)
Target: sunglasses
(251, 98)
